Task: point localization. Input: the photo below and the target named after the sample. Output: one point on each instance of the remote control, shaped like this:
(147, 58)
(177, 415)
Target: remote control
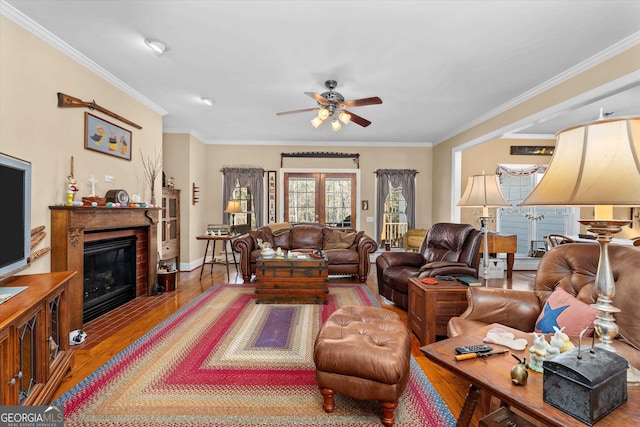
(447, 278)
(478, 348)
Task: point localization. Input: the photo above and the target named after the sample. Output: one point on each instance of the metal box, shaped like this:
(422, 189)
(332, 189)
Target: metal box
(586, 387)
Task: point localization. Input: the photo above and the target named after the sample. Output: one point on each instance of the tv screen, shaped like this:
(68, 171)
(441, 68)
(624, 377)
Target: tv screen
(15, 228)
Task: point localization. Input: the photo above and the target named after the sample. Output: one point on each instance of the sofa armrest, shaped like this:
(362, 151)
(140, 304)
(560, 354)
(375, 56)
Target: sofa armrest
(392, 259)
(513, 308)
(365, 247)
(244, 246)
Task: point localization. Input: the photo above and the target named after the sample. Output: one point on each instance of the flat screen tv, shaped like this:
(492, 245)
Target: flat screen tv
(15, 227)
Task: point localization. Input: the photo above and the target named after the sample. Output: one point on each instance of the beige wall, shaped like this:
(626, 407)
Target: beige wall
(619, 66)
(206, 161)
(486, 157)
(34, 128)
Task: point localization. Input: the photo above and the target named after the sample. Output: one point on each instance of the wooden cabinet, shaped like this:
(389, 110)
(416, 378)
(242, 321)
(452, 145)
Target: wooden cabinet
(431, 307)
(34, 339)
(170, 225)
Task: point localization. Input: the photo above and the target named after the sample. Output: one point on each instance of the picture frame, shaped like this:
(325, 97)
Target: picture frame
(105, 137)
(272, 197)
(365, 205)
(532, 150)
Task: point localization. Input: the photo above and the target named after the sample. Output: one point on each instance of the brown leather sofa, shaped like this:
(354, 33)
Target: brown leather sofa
(447, 250)
(573, 267)
(308, 237)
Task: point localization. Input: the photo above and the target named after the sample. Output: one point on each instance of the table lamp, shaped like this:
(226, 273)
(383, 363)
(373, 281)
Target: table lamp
(233, 207)
(483, 191)
(596, 164)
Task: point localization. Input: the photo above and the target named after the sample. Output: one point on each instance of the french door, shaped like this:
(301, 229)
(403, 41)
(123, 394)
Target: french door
(325, 198)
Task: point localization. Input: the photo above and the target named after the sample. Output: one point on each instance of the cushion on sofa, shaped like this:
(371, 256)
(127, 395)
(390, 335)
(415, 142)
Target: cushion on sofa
(340, 240)
(563, 310)
(306, 236)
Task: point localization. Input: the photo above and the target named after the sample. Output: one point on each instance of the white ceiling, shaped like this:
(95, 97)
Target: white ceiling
(439, 66)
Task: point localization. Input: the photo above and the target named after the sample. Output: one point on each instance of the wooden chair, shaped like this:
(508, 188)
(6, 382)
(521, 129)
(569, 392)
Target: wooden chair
(413, 239)
(554, 240)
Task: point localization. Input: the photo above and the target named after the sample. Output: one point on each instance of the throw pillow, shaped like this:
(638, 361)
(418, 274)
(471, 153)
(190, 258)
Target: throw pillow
(564, 310)
(340, 240)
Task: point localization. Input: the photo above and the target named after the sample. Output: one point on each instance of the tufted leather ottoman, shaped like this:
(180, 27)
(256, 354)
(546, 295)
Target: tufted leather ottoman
(363, 353)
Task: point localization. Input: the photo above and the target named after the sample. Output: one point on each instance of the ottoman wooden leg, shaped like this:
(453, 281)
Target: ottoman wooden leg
(387, 413)
(328, 404)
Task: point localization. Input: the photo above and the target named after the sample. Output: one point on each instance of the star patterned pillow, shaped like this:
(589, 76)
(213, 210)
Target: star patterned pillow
(564, 310)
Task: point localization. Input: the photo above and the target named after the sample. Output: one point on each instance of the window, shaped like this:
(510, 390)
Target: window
(243, 195)
(529, 223)
(246, 185)
(326, 198)
(395, 205)
(394, 225)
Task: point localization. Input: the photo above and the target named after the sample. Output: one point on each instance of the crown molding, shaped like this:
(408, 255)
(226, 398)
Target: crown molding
(616, 49)
(45, 35)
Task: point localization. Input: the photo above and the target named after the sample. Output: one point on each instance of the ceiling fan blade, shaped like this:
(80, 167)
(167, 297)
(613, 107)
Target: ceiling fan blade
(282, 113)
(360, 102)
(358, 120)
(317, 97)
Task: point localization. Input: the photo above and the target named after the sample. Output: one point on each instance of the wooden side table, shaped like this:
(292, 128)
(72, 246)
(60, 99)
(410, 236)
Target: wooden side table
(502, 244)
(214, 238)
(431, 307)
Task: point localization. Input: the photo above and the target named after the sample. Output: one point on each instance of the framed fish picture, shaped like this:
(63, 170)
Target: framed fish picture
(105, 137)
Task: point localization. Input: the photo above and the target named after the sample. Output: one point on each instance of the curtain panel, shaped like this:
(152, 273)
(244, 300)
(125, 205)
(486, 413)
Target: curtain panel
(252, 179)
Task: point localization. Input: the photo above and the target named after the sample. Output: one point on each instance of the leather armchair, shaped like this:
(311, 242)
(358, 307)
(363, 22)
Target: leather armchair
(573, 267)
(447, 250)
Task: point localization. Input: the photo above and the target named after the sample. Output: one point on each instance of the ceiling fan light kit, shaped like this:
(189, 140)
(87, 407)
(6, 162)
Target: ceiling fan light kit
(330, 102)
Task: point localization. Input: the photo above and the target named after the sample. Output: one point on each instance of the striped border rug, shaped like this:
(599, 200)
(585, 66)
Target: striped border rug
(225, 361)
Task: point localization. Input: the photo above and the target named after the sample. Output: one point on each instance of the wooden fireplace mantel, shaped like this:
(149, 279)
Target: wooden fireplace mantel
(68, 227)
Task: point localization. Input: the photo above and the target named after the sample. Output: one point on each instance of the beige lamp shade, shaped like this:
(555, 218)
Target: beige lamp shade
(483, 191)
(233, 207)
(593, 164)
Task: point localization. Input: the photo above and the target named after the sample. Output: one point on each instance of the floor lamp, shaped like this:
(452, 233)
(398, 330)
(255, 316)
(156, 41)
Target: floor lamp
(596, 164)
(483, 191)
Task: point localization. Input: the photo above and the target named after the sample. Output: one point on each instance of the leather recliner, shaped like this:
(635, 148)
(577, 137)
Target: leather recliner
(572, 267)
(447, 250)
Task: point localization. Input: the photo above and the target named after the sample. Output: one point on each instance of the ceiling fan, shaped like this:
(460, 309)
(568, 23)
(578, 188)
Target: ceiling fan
(332, 102)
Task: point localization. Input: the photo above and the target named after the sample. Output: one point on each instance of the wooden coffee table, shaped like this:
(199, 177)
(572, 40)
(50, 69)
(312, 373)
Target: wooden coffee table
(493, 375)
(431, 307)
(281, 280)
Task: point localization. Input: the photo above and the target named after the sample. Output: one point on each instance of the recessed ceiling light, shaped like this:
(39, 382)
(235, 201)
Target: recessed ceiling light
(207, 101)
(157, 47)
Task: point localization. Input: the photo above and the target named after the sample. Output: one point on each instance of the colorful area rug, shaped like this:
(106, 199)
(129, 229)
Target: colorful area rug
(225, 361)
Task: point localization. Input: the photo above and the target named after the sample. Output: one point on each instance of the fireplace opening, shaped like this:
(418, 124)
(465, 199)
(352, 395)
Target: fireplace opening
(109, 275)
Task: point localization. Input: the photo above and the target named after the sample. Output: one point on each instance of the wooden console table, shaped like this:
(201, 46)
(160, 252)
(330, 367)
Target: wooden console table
(214, 238)
(492, 375)
(501, 244)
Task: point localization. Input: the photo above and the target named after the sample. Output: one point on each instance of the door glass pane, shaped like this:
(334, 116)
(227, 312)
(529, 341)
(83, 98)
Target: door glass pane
(337, 193)
(302, 200)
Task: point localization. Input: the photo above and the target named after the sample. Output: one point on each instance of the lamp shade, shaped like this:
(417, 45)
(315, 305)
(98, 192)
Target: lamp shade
(593, 164)
(233, 207)
(483, 191)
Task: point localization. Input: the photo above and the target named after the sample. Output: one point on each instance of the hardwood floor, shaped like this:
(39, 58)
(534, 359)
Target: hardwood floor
(114, 331)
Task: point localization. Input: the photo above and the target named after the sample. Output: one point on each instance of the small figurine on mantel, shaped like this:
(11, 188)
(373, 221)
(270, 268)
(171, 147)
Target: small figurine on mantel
(72, 186)
(72, 189)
